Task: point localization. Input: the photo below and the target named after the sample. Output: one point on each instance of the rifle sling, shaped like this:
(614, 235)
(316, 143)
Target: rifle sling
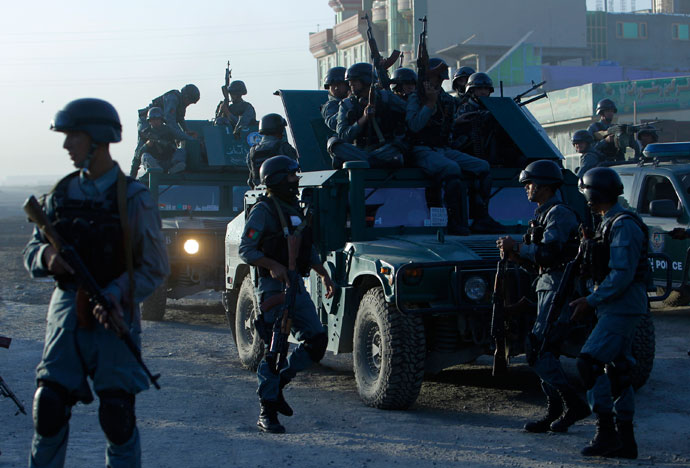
(124, 223)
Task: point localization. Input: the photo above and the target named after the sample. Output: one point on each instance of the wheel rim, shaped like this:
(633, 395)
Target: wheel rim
(373, 351)
(247, 331)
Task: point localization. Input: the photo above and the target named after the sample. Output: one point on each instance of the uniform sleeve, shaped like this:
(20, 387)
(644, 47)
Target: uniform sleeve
(587, 162)
(345, 131)
(593, 128)
(416, 114)
(254, 230)
(151, 266)
(33, 255)
(329, 112)
(395, 102)
(626, 248)
(248, 117)
(170, 103)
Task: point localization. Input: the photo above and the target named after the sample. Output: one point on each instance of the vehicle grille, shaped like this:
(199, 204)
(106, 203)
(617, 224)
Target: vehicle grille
(215, 223)
(485, 248)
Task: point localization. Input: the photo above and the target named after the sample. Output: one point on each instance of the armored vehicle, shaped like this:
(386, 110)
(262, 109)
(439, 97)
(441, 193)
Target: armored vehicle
(411, 300)
(195, 207)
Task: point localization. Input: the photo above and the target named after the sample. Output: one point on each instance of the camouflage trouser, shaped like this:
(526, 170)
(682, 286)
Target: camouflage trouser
(445, 163)
(149, 161)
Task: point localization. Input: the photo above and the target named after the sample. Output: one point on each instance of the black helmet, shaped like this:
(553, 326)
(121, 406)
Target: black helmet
(582, 136)
(359, 71)
(601, 185)
(462, 72)
(606, 104)
(479, 80)
(191, 93)
(277, 168)
(436, 63)
(542, 172)
(237, 87)
(402, 76)
(271, 123)
(95, 117)
(648, 130)
(154, 113)
(334, 75)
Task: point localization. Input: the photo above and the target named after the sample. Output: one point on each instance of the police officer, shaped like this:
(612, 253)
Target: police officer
(606, 109)
(239, 114)
(478, 85)
(265, 246)
(619, 270)
(583, 144)
(84, 208)
(272, 129)
(160, 149)
(429, 120)
(460, 78)
(404, 82)
(612, 147)
(368, 131)
(174, 104)
(550, 242)
(338, 89)
(647, 135)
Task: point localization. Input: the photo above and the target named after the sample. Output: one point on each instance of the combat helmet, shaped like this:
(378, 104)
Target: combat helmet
(271, 123)
(606, 104)
(237, 87)
(154, 113)
(95, 117)
(274, 170)
(479, 80)
(191, 93)
(404, 75)
(462, 72)
(361, 71)
(438, 65)
(542, 172)
(582, 136)
(334, 75)
(649, 130)
(601, 185)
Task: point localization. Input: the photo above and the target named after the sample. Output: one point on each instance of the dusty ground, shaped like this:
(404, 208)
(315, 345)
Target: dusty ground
(205, 414)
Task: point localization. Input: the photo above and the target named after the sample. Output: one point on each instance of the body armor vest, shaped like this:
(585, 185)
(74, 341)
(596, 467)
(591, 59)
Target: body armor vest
(260, 153)
(180, 110)
(238, 108)
(535, 235)
(274, 245)
(436, 132)
(92, 228)
(389, 122)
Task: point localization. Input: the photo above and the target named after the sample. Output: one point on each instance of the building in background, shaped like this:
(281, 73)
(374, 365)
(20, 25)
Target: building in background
(671, 6)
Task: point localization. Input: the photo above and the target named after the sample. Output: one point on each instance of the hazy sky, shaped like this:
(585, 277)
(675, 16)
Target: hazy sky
(129, 52)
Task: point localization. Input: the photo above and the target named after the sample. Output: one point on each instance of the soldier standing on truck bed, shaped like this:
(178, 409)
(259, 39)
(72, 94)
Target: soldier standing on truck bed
(265, 244)
(551, 242)
(160, 149)
(106, 217)
(272, 129)
(606, 109)
(619, 268)
(240, 114)
(338, 89)
(429, 120)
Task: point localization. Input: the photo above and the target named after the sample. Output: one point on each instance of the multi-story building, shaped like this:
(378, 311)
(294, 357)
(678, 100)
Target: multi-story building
(671, 6)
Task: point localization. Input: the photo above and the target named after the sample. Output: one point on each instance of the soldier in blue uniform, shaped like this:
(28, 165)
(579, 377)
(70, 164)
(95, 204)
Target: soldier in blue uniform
(240, 114)
(160, 150)
(606, 109)
(84, 208)
(264, 245)
(272, 129)
(404, 82)
(620, 270)
(460, 78)
(583, 142)
(338, 89)
(550, 242)
(478, 85)
(646, 135)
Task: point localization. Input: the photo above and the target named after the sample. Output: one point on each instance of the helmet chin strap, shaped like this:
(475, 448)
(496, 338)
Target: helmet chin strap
(87, 161)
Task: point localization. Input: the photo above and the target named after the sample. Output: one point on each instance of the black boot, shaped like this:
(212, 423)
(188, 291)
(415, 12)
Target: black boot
(554, 408)
(268, 418)
(606, 440)
(625, 432)
(281, 405)
(575, 409)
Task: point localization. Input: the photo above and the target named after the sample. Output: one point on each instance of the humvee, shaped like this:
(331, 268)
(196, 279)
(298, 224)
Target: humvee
(196, 206)
(411, 299)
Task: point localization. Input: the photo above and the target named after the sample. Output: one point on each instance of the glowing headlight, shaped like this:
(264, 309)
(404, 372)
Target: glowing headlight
(475, 288)
(191, 246)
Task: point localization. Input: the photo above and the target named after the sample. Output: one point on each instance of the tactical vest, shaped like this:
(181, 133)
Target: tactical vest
(389, 122)
(274, 245)
(238, 108)
(92, 228)
(436, 133)
(180, 110)
(598, 252)
(535, 235)
(163, 142)
(260, 153)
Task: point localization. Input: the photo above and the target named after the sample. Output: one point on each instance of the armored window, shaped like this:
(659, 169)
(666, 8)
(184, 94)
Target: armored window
(680, 32)
(656, 188)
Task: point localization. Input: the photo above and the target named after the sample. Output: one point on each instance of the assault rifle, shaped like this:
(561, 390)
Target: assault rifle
(381, 65)
(518, 98)
(226, 94)
(86, 281)
(498, 330)
(5, 391)
(422, 60)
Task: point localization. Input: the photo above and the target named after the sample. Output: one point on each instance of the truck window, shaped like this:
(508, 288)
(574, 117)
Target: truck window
(656, 187)
(510, 206)
(392, 207)
(188, 198)
(627, 180)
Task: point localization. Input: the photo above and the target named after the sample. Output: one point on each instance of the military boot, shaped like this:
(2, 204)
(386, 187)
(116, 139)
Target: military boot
(554, 408)
(575, 409)
(281, 405)
(625, 432)
(606, 441)
(268, 418)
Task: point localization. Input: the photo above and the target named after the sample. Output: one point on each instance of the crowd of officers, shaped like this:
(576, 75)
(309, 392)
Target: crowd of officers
(110, 218)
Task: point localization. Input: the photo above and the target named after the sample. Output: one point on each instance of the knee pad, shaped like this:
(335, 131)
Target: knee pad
(316, 346)
(51, 408)
(619, 374)
(116, 415)
(589, 369)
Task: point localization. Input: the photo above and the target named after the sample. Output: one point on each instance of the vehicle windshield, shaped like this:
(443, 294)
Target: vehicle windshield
(188, 198)
(684, 180)
(510, 206)
(393, 207)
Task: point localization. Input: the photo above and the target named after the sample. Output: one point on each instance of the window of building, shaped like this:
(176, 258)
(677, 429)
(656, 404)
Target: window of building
(680, 32)
(628, 30)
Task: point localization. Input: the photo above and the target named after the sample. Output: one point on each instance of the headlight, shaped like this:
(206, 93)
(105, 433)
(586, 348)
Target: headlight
(191, 246)
(475, 288)
(412, 276)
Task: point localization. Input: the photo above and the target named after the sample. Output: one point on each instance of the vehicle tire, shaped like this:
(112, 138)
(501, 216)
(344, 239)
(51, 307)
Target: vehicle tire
(153, 307)
(643, 348)
(388, 353)
(229, 300)
(250, 346)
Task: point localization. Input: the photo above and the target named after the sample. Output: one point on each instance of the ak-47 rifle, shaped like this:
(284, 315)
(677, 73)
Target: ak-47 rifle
(422, 60)
(225, 107)
(518, 98)
(381, 65)
(498, 331)
(86, 281)
(5, 391)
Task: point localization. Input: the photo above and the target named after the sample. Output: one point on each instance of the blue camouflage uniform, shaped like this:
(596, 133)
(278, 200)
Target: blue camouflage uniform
(329, 111)
(72, 353)
(588, 160)
(173, 115)
(620, 300)
(267, 147)
(242, 115)
(560, 227)
(306, 326)
(598, 126)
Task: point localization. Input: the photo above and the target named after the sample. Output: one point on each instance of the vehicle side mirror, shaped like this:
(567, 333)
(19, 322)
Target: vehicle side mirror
(664, 209)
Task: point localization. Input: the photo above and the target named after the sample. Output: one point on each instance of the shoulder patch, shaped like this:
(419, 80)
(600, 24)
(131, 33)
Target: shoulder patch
(252, 234)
